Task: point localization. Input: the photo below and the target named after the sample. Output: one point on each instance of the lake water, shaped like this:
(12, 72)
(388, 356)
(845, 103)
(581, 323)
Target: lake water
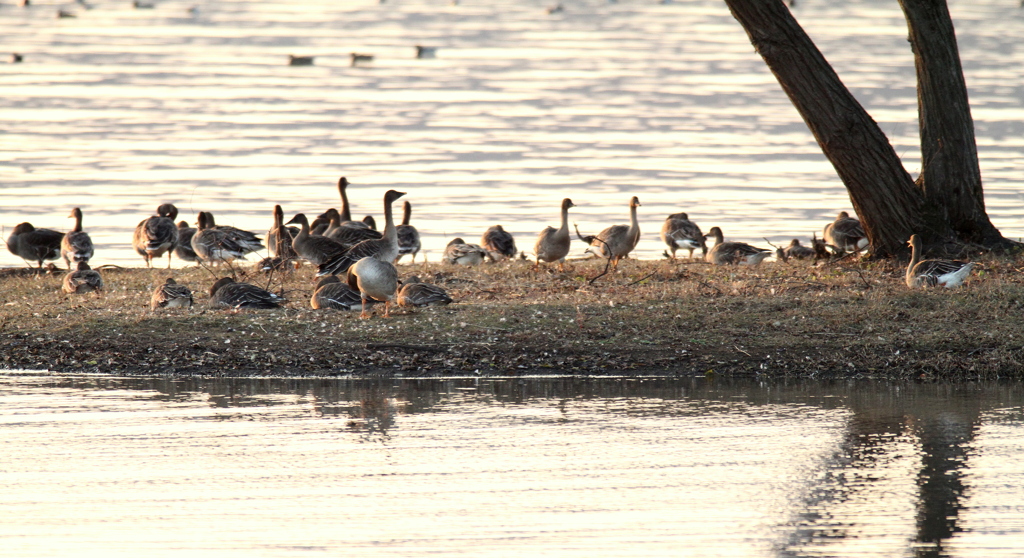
(102, 466)
(119, 109)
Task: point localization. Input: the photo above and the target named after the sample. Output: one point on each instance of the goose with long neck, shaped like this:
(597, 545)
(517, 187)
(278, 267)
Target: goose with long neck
(553, 244)
(280, 237)
(932, 273)
(76, 245)
(384, 248)
(617, 241)
(314, 249)
(346, 211)
(408, 236)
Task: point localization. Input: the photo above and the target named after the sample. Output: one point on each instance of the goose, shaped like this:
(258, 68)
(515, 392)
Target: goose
(214, 245)
(346, 210)
(157, 235)
(230, 293)
(370, 222)
(796, 251)
(384, 248)
(736, 253)
(330, 292)
(553, 244)
(408, 236)
(276, 263)
(374, 279)
(184, 249)
(314, 249)
(678, 231)
(171, 295)
(459, 253)
(617, 241)
(32, 244)
(76, 244)
(83, 280)
(415, 293)
(498, 243)
(280, 237)
(247, 240)
(346, 234)
(932, 273)
(300, 60)
(846, 233)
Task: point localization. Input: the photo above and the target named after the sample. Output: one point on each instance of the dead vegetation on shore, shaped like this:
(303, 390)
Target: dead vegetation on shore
(649, 317)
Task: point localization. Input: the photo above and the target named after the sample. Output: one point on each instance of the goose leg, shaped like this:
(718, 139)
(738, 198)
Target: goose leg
(363, 315)
(387, 308)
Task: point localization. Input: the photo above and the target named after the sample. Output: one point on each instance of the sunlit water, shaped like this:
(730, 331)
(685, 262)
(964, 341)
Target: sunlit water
(119, 109)
(153, 467)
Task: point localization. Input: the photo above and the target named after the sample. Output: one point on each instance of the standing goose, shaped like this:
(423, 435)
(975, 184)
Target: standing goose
(157, 235)
(330, 292)
(228, 292)
(183, 249)
(457, 252)
(617, 241)
(932, 273)
(214, 245)
(280, 237)
(346, 211)
(498, 243)
(408, 236)
(384, 249)
(846, 233)
(376, 280)
(248, 241)
(678, 231)
(76, 246)
(415, 293)
(734, 253)
(171, 295)
(553, 244)
(314, 249)
(32, 244)
(83, 280)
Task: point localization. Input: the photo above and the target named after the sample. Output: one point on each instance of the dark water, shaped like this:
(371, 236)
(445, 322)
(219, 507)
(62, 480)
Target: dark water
(566, 467)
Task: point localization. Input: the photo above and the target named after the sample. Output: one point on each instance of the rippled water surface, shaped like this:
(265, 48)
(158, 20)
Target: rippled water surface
(120, 109)
(153, 467)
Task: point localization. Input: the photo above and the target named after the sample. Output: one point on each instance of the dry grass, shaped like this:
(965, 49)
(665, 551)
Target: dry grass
(650, 317)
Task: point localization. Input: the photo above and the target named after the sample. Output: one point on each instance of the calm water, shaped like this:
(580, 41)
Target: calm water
(569, 467)
(118, 110)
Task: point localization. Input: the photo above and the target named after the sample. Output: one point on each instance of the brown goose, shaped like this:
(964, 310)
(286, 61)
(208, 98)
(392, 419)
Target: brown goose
(734, 253)
(83, 280)
(553, 244)
(214, 245)
(280, 237)
(415, 293)
(248, 241)
(171, 295)
(76, 245)
(232, 294)
(846, 233)
(157, 235)
(314, 249)
(330, 292)
(457, 252)
(795, 251)
(376, 280)
(498, 243)
(347, 234)
(384, 249)
(408, 236)
(617, 241)
(183, 249)
(32, 244)
(932, 273)
(678, 231)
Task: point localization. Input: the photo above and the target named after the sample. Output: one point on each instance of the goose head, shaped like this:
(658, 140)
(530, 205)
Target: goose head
(842, 215)
(567, 203)
(300, 218)
(635, 202)
(371, 222)
(391, 195)
(167, 210)
(76, 213)
(219, 284)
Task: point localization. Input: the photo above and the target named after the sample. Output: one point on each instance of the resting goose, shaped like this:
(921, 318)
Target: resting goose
(228, 292)
(932, 273)
(330, 292)
(617, 241)
(734, 253)
(83, 280)
(415, 293)
(171, 295)
(314, 249)
(157, 235)
(678, 231)
(553, 244)
(32, 244)
(498, 243)
(459, 253)
(408, 236)
(846, 233)
(376, 280)
(247, 240)
(214, 245)
(795, 251)
(346, 234)
(183, 249)
(76, 245)
(280, 237)
(384, 249)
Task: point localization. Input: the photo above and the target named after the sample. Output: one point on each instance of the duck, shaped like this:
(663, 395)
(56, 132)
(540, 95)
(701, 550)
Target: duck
(735, 253)
(459, 253)
(314, 249)
(408, 236)
(846, 233)
(553, 244)
(617, 241)
(228, 292)
(498, 243)
(214, 245)
(330, 292)
(76, 245)
(248, 241)
(415, 293)
(280, 237)
(932, 273)
(32, 244)
(183, 250)
(82, 280)
(171, 295)
(678, 231)
(375, 280)
(157, 235)
(795, 251)
(384, 248)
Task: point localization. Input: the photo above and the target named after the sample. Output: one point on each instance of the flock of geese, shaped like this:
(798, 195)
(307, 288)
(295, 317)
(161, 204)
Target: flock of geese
(366, 257)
